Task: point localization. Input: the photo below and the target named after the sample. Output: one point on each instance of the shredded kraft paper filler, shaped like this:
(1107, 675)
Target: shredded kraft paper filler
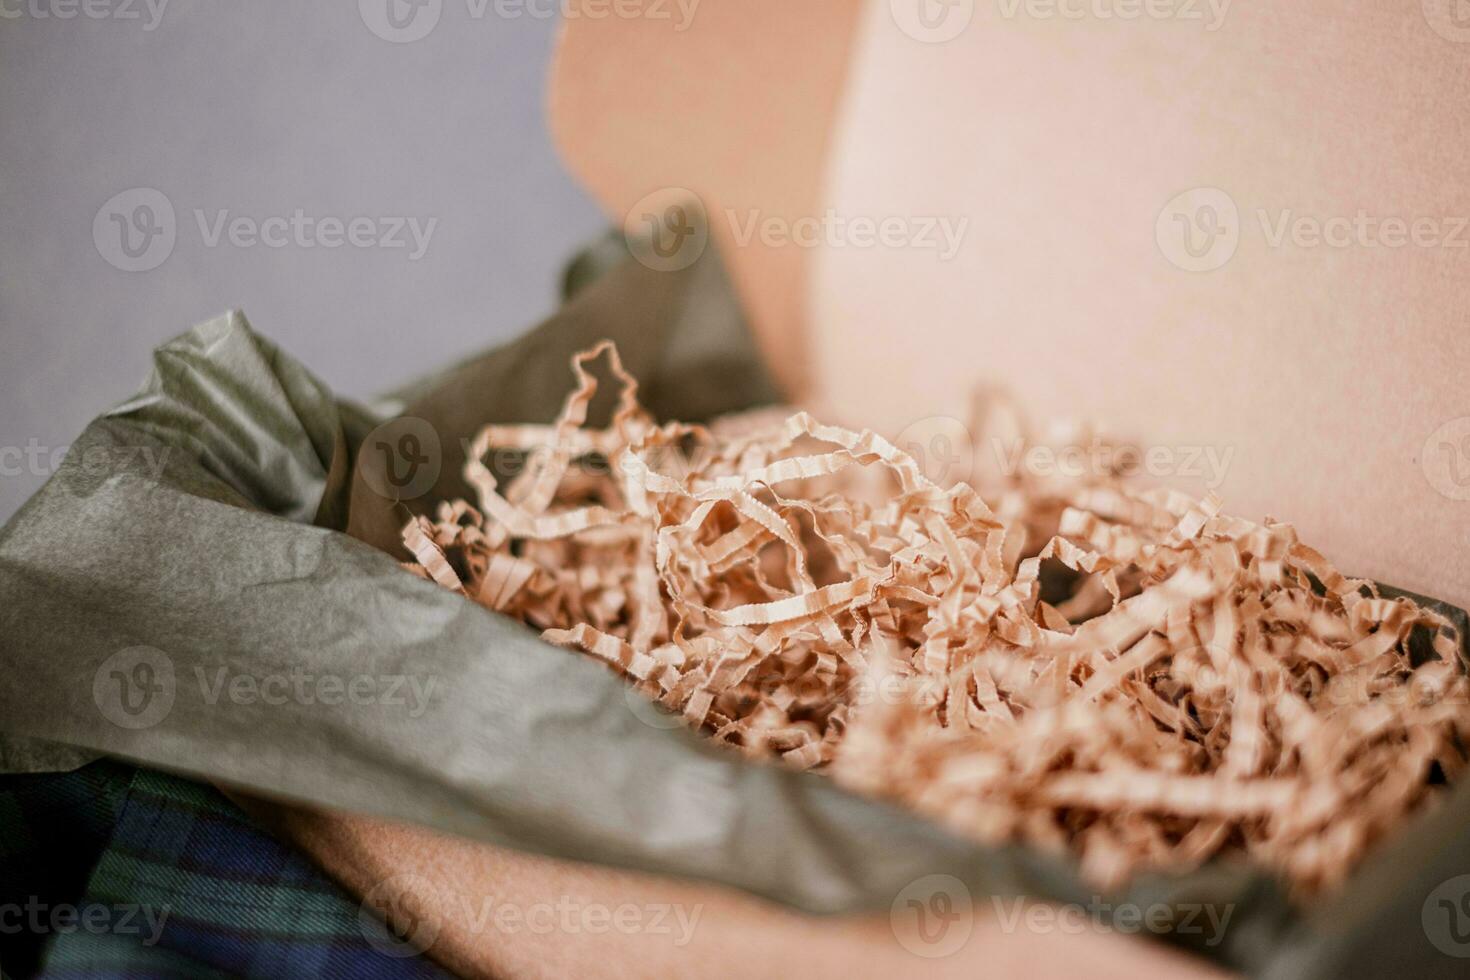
(1201, 684)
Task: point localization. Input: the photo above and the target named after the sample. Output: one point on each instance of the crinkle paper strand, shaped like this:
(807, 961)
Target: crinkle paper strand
(1128, 674)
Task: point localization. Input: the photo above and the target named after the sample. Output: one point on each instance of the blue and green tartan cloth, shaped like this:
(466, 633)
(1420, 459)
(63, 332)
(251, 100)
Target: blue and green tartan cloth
(118, 871)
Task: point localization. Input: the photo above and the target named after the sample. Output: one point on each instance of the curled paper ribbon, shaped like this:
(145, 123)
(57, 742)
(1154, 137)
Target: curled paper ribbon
(1191, 685)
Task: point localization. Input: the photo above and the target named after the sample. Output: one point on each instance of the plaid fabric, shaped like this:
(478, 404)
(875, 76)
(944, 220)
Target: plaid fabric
(116, 871)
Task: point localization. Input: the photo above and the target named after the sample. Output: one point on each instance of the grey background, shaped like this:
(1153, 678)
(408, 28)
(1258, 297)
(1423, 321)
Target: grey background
(259, 109)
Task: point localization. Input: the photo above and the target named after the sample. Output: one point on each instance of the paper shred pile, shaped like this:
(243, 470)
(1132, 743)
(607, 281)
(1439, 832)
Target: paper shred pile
(1194, 684)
